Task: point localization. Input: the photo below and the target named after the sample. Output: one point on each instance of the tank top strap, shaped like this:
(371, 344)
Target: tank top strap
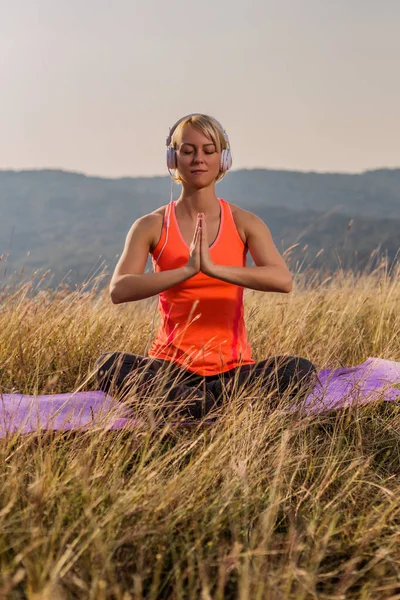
(168, 213)
(165, 232)
(230, 230)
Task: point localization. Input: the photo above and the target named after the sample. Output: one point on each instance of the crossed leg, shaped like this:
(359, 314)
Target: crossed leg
(198, 395)
(184, 391)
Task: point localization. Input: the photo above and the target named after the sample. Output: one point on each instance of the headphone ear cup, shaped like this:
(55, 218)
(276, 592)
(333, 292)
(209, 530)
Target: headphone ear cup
(171, 158)
(226, 160)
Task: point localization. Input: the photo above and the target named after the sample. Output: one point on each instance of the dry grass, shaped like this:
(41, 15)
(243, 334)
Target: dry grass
(262, 504)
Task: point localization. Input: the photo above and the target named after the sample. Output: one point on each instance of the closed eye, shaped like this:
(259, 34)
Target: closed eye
(191, 151)
(189, 148)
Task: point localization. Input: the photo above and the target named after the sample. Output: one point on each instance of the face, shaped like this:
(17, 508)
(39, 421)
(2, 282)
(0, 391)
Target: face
(198, 159)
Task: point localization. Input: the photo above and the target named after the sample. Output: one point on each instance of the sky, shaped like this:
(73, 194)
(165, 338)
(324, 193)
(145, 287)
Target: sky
(93, 86)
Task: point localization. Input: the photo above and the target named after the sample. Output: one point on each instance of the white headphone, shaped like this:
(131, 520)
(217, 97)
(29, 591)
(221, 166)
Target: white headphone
(226, 156)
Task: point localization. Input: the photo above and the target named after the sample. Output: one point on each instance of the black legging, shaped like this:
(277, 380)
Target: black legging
(295, 375)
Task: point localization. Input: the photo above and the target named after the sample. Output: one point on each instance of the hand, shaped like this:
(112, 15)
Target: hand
(194, 249)
(206, 264)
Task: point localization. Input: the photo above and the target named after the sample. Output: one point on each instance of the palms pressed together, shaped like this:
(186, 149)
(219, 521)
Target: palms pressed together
(199, 252)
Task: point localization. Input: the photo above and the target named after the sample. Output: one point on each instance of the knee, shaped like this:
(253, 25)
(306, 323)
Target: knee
(304, 367)
(108, 369)
(300, 371)
(304, 376)
(105, 362)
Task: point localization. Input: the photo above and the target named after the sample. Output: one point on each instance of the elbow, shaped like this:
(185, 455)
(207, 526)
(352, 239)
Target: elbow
(119, 293)
(114, 294)
(287, 285)
(114, 297)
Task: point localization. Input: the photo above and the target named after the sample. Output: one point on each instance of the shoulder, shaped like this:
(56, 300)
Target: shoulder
(246, 222)
(151, 225)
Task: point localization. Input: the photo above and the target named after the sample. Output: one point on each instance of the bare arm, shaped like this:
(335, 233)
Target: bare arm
(129, 283)
(270, 273)
(265, 279)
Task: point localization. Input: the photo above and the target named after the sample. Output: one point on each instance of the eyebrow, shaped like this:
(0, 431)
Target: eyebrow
(194, 145)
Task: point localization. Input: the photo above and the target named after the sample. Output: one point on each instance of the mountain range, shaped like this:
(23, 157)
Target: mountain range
(70, 222)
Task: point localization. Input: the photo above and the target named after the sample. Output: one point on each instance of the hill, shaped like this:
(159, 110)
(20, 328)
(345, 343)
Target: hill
(68, 222)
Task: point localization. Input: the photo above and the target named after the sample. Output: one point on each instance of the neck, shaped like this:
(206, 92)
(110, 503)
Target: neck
(198, 201)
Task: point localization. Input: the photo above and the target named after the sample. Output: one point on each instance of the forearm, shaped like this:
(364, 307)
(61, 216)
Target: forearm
(131, 287)
(266, 279)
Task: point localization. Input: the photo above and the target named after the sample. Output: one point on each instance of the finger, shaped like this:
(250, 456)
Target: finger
(203, 230)
(195, 232)
(203, 227)
(197, 236)
(200, 233)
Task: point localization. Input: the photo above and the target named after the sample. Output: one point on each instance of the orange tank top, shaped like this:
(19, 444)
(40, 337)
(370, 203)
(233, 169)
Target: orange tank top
(202, 319)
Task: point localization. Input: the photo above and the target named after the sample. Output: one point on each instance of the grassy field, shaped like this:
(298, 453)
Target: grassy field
(261, 504)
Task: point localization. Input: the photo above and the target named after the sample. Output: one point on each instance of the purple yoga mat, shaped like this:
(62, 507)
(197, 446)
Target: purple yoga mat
(63, 412)
(375, 379)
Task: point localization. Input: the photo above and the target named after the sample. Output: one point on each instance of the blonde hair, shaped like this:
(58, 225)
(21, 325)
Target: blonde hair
(209, 127)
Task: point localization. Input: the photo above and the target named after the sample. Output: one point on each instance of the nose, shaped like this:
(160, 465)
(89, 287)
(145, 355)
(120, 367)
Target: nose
(198, 157)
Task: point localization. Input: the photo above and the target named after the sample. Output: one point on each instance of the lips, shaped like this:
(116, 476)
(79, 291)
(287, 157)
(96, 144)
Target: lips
(198, 171)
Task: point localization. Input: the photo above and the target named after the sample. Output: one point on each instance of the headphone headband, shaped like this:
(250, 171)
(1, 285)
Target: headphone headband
(172, 129)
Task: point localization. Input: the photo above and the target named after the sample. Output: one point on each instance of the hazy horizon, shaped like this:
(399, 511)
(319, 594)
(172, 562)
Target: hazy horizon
(102, 176)
(307, 87)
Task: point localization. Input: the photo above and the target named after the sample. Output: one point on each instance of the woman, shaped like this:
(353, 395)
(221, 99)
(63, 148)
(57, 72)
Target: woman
(198, 245)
